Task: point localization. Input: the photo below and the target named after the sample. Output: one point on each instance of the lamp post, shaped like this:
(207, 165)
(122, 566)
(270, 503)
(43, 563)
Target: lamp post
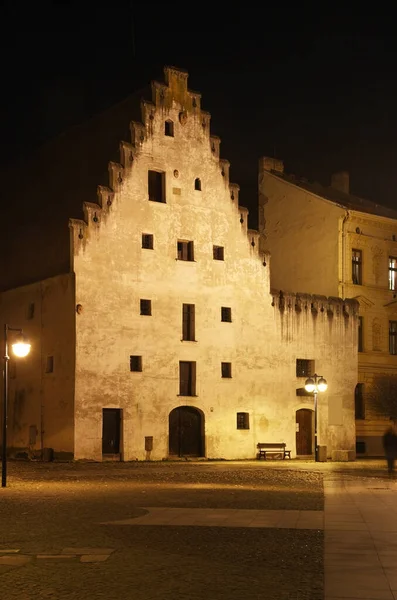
(20, 348)
(315, 384)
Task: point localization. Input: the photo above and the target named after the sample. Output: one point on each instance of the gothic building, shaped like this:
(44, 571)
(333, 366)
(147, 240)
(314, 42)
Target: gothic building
(158, 334)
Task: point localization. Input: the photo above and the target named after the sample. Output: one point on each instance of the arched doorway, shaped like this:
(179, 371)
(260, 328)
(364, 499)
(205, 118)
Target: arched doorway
(304, 432)
(186, 432)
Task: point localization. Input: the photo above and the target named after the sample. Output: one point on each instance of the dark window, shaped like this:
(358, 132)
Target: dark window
(360, 447)
(197, 184)
(392, 273)
(31, 310)
(147, 241)
(187, 378)
(146, 307)
(135, 363)
(393, 337)
(304, 367)
(359, 405)
(357, 264)
(218, 252)
(243, 420)
(185, 250)
(226, 314)
(226, 369)
(169, 128)
(188, 322)
(156, 183)
(360, 334)
(49, 367)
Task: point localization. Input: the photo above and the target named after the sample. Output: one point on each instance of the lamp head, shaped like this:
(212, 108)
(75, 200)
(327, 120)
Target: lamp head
(21, 346)
(322, 384)
(310, 385)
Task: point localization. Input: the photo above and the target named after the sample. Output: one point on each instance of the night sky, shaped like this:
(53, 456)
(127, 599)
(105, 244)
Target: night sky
(317, 90)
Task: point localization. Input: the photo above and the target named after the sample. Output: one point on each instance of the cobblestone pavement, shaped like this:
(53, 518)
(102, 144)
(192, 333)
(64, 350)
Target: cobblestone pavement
(59, 540)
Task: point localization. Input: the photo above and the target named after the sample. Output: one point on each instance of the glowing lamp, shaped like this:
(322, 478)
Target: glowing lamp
(310, 385)
(322, 384)
(21, 347)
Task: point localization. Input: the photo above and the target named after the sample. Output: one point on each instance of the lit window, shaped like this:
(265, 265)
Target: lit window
(392, 273)
(357, 267)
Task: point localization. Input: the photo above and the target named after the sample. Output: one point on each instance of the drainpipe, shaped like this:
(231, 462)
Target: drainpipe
(344, 226)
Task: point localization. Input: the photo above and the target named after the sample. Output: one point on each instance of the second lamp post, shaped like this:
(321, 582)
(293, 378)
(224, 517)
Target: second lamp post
(315, 384)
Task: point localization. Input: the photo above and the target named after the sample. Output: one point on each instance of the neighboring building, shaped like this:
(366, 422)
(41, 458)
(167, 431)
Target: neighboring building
(327, 241)
(164, 338)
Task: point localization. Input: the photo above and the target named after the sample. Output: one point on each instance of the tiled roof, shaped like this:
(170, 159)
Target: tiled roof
(347, 201)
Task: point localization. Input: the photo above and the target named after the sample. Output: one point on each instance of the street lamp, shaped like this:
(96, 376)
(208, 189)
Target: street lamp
(315, 384)
(20, 348)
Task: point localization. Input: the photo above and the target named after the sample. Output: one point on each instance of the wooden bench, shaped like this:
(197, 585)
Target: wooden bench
(275, 448)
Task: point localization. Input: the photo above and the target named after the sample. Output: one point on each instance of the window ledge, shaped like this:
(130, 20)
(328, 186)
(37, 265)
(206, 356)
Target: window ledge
(183, 396)
(194, 341)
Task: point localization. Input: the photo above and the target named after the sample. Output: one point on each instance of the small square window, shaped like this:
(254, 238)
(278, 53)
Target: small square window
(31, 311)
(49, 367)
(243, 420)
(218, 252)
(185, 250)
(226, 369)
(304, 367)
(146, 307)
(226, 314)
(147, 241)
(135, 363)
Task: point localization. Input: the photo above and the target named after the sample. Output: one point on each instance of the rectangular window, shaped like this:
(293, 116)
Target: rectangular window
(188, 322)
(49, 367)
(359, 406)
(147, 241)
(226, 314)
(135, 363)
(146, 307)
(243, 420)
(31, 310)
(393, 337)
(304, 367)
(185, 250)
(218, 253)
(226, 369)
(156, 185)
(360, 335)
(357, 265)
(392, 273)
(187, 378)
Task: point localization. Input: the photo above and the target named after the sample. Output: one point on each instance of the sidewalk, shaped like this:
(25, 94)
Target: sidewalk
(360, 522)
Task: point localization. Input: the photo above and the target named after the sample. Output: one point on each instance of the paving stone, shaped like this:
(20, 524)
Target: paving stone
(15, 561)
(56, 556)
(94, 558)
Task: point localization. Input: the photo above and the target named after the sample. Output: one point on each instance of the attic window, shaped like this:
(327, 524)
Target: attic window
(169, 128)
(197, 184)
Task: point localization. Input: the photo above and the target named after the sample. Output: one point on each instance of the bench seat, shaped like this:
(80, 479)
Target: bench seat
(272, 448)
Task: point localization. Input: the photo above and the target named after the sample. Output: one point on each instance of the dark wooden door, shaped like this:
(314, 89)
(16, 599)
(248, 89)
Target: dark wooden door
(185, 432)
(111, 430)
(304, 432)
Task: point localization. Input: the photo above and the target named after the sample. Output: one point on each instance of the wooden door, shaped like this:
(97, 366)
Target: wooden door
(304, 432)
(111, 422)
(185, 432)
